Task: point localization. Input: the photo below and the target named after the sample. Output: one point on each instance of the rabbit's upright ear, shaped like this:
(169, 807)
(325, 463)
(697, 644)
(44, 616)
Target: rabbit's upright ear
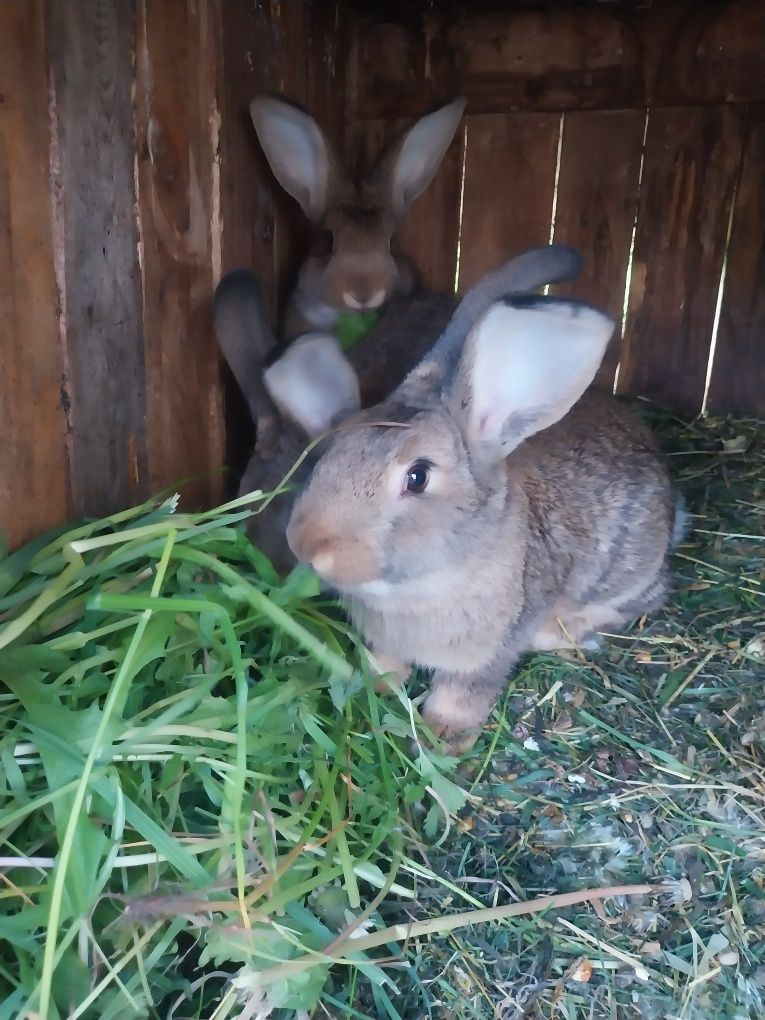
(313, 384)
(524, 365)
(297, 151)
(412, 161)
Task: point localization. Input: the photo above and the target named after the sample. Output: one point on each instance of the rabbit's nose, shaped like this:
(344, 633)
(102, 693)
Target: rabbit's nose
(362, 301)
(310, 548)
(323, 561)
(320, 557)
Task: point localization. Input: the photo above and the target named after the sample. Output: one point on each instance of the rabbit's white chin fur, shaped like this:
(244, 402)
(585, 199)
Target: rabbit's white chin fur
(376, 589)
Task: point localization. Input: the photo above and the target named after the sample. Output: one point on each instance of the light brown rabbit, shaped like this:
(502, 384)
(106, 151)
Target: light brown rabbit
(354, 266)
(296, 393)
(489, 507)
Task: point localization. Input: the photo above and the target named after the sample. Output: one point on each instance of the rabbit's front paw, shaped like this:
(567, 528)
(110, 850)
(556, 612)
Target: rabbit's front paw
(456, 716)
(391, 672)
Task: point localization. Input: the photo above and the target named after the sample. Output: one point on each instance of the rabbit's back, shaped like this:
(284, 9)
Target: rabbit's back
(405, 332)
(600, 511)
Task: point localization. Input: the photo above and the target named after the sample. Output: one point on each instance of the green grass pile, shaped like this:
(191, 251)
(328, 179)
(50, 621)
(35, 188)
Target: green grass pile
(199, 788)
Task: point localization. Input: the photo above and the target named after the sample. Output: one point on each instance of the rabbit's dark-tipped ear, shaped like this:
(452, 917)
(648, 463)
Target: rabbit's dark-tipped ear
(313, 383)
(297, 151)
(524, 365)
(550, 263)
(246, 341)
(412, 162)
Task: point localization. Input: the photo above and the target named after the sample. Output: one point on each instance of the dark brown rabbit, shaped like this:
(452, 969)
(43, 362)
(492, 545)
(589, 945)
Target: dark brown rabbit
(489, 506)
(353, 266)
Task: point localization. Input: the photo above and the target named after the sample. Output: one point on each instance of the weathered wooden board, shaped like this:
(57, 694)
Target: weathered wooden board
(737, 383)
(91, 68)
(689, 175)
(250, 66)
(296, 50)
(33, 388)
(508, 191)
(177, 130)
(596, 207)
(679, 52)
(430, 231)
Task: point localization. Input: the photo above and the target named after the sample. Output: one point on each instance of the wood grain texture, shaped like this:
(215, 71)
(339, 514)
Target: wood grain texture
(689, 175)
(596, 206)
(430, 231)
(677, 52)
(177, 125)
(737, 383)
(33, 395)
(91, 67)
(509, 184)
(296, 50)
(248, 190)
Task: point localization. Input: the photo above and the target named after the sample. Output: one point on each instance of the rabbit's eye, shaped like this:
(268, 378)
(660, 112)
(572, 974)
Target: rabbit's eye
(417, 477)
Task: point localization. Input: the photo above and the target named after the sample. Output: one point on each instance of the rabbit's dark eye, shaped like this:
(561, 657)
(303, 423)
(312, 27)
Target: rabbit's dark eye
(417, 477)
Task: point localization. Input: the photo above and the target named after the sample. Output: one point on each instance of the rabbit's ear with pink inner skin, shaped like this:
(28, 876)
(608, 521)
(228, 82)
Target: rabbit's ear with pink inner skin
(297, 151)
(524, 365)
(411, 162)
(313, 384)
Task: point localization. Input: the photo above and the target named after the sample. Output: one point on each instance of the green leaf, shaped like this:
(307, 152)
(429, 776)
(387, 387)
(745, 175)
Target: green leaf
(352, 327)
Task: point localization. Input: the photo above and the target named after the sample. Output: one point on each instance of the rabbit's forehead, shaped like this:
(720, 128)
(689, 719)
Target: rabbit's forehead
(359, 219)
(375, 445)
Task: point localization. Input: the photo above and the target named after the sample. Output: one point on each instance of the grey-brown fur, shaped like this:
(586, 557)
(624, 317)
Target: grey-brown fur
(353, 258)
(548, 515)
(407, 329)
(354, 265)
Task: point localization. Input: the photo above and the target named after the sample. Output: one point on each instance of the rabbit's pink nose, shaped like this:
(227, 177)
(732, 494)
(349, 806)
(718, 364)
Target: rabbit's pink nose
(363, 301)
(323, 562)
(314, 550)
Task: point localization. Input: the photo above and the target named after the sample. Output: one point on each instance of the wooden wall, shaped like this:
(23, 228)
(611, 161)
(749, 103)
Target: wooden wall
(130, 178)
(612, 127)
(109, 247)
(296, 49)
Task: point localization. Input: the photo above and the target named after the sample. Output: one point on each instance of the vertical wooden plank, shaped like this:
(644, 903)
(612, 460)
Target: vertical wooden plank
(293, 232)
(33, 397)
(296, 50)
(248, 191)
(691, 164)
(737, 383)
(509, 185)
(177, 118)
(595, 211)
(326, 75)
(430, 231)
(91, 65)
(250, 65)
